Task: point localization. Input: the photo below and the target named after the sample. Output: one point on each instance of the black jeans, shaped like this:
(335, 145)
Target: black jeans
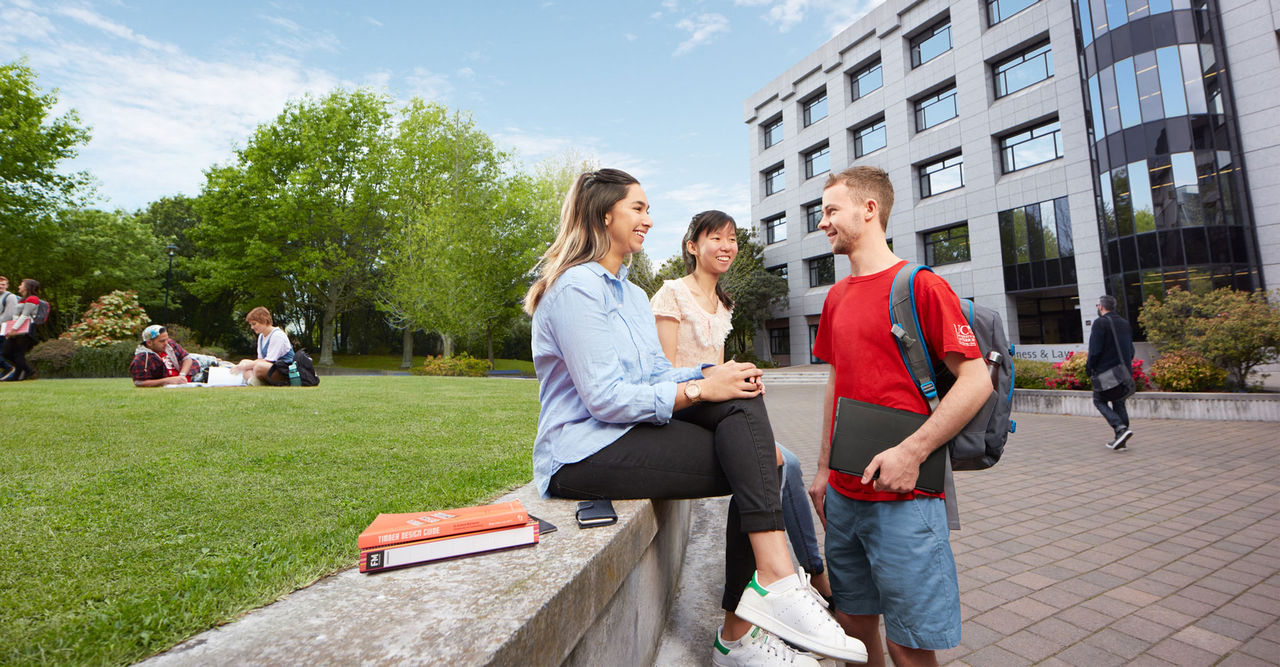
(1115, 413)
(15, 352)
(710, 449)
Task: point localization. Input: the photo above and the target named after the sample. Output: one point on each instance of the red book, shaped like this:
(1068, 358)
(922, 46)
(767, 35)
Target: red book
(389, 529)
(378, 559)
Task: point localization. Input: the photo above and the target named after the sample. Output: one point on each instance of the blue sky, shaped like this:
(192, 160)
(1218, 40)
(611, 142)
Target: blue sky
(656, 88)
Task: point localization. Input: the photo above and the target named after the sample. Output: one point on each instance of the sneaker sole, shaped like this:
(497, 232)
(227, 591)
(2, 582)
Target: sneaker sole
(764, 620)
(1120, 442)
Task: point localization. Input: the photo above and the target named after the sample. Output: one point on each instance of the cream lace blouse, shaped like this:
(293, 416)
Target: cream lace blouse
(701, 335)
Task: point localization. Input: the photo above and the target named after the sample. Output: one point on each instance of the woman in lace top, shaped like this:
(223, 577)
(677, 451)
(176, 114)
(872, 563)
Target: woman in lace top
(694, 317)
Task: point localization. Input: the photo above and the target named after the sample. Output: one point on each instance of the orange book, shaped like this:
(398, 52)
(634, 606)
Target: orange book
(391, 556)
(389, 529)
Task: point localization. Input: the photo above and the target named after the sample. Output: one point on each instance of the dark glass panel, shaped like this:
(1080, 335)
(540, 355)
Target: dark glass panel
(1171, 248)
(1037, 274)
(1024, 276)
(1066, 245)
(1163, 195)
(1194, 244)
(1053, 272)
(1035, 235)
(1113, 257)
(1123, 204)
(1148, 251)
(1219, 244)
(1069, 271)
(1239, 251)
(1129, 253)
(1010, 279)
(1008, 252)
(1179, 134)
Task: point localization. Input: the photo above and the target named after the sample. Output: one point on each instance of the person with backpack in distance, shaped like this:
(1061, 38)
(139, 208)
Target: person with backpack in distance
(8, 310)
(1109, 366)
(694, 317)
(618, 421)
(272, 345)
(887, 544)
(19, 341)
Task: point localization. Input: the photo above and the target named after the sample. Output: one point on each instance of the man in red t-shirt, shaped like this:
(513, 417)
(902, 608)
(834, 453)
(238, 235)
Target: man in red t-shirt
(888, 550)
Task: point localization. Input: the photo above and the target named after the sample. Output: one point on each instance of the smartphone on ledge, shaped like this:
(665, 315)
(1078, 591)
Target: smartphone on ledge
(596, 513)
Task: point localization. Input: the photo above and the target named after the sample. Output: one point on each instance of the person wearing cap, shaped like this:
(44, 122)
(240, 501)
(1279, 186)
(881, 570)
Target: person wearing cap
(160, 360)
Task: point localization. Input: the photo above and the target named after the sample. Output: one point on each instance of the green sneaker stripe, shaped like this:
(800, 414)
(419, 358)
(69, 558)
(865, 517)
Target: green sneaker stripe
(756, 585)
(720, 647)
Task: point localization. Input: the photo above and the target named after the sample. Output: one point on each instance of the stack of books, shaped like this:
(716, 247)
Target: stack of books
(399, 540)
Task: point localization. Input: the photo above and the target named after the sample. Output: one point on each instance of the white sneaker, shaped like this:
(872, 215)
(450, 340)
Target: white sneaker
(757, 648)
(788, 609)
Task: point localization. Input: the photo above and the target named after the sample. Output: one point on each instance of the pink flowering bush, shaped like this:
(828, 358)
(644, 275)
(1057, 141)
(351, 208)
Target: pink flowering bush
(112, 318)
(1071, 373)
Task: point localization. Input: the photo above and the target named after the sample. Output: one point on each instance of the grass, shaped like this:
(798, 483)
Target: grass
(391, 362)
(132, 519)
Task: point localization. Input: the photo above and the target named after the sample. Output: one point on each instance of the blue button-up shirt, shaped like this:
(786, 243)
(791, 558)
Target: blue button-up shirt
(600, 367)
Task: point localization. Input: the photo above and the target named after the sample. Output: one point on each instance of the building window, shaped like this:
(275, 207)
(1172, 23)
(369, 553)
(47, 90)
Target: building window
(1031, 147)
(867, 79)
(780, 340)
(772, 132)
(947, 246)
(775, 229)
(812, 215)
(815, 108)
(1036, 246)
(999, 10)
(931, 43)
(774, 180)
(936, 109)
(1024, 69)
(869, 138)
(817, 161)
(822, 270)
(941, 175)
(813, 338)
(779, 271)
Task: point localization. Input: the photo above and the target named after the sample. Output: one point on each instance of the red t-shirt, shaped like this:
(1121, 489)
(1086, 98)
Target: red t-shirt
(854, 337)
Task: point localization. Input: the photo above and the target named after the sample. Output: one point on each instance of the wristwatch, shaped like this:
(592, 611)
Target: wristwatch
(692, 392)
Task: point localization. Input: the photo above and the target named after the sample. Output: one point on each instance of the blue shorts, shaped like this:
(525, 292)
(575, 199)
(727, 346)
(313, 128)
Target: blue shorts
(894, 558)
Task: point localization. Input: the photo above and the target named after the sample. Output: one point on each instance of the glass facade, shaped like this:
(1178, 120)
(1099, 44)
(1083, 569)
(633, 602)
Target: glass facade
(1169, 190)
(948, 245)
(1036, 246)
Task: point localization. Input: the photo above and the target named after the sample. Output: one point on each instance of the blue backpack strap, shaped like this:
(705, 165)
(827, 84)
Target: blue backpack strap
(904, 324)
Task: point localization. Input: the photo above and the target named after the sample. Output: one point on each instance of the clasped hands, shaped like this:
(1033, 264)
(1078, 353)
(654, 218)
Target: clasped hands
(730, 380)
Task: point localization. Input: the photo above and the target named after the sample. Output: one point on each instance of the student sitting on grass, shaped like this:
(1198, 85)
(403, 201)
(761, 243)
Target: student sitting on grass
(618, 421)
(273, 345)
(160, 360)
(694, 316)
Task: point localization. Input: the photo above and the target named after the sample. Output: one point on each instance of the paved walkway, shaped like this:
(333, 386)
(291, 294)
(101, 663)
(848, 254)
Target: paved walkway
(1071, 554)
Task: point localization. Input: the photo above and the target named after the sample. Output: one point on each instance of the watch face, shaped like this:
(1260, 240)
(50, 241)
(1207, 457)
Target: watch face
(693, 391)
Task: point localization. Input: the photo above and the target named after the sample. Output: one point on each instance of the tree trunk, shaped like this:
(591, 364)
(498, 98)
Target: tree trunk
(406, 356)
(446, 344)
(326, 332)
(488, 332)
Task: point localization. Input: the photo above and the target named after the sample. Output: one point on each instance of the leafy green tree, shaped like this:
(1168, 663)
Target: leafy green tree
(298, 220)
(755, 291)
(1234, 330)
(33, 144)
(99, 252)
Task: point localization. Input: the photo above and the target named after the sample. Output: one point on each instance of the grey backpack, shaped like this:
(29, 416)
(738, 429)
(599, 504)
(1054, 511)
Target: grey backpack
(980, 443)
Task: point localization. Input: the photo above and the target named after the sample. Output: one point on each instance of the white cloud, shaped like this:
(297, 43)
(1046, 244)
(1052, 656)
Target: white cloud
(95, 20)
(374, 22)
(631, 37)
(702, 29)
(466, 73)
(428, 85)
(25, 24)
(297, 39)
(836, 14)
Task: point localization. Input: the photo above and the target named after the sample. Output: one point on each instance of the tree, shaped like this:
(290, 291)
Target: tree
(32, 190)
(755, 292)
(1234, 330)
(299, 219)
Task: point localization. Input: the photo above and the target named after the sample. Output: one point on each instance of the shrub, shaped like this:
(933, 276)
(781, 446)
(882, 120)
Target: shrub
(1070, 373)
(1028, 374)
(63, 358)
(459, 365)
(113, 317)
(1233, 330)
(1187, 371)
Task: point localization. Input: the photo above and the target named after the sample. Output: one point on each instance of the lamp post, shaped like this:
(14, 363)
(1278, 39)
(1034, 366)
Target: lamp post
(168, 277)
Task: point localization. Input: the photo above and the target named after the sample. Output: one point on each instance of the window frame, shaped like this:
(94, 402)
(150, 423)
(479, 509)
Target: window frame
(923, 174)
(772, 223)
(1033, 133)
(924, 35)
(865, 128)
(778, 173)
(815, 270)
(992, 20)
(767, 129)
(783, 337)
(921, 105)
(810, 223)
(809, 156)
(857, 75)
(1002, 67)
(929, 242)
(806, 108)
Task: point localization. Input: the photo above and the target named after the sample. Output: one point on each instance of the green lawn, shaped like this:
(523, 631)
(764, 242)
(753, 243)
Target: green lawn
(134, 518)
(391, 362)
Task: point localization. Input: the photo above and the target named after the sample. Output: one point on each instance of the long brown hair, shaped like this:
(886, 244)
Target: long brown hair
(703, 223)
(581, 237)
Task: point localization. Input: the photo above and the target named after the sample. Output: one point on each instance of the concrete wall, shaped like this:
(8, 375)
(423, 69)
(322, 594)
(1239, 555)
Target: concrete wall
(1155, 405)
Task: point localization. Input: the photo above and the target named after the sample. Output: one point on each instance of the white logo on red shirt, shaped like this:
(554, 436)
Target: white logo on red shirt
(964, 335)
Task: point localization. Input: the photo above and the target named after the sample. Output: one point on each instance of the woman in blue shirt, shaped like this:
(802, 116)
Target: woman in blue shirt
(618, 421)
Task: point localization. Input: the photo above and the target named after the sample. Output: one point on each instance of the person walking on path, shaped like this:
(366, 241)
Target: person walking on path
(17, 345)
(888, 545)
(618, 421)
(694, 316)
(1111, 345)
(8, 310)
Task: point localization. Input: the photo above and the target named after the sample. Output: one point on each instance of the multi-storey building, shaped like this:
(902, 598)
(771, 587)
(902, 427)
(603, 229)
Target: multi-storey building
(1043, 152)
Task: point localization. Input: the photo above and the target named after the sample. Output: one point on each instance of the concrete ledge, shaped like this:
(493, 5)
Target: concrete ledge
(593, 596)
(1155, 405)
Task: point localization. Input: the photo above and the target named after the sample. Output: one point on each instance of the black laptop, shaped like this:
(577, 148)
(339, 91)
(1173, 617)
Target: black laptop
(866, 429)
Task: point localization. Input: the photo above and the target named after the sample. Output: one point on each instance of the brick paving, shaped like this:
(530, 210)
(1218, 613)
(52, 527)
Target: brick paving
(1165, 554)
